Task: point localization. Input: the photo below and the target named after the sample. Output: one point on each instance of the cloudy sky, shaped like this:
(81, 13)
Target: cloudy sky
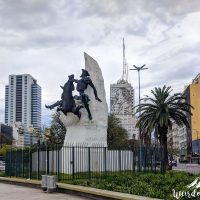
(47, 38)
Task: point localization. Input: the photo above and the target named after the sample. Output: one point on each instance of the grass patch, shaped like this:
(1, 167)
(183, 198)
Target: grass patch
(2, 174)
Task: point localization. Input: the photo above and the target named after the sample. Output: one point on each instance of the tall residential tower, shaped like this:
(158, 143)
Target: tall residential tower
(23, 101)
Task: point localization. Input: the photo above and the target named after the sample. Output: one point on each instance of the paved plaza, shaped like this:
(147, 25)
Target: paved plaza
(13, 192)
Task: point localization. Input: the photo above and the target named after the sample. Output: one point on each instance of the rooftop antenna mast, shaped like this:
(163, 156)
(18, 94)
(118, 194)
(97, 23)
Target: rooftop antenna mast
(126, 72)
(125, 65)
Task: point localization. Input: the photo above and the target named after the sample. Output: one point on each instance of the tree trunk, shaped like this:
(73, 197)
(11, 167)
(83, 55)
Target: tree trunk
(164, 164)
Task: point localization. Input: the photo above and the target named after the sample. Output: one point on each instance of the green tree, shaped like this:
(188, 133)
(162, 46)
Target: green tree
(56, 134)
(158, 113)
(117, 136)
(4, 149)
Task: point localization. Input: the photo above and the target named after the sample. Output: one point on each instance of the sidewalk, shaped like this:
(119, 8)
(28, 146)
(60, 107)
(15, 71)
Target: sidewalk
(87, 192)
(15, 192)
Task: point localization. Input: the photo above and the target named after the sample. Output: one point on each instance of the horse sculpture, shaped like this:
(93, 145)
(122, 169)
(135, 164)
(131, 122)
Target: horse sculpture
(67, 102)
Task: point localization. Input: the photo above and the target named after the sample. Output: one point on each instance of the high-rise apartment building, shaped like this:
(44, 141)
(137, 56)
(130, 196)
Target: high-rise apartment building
(122, 101)
(23, 101)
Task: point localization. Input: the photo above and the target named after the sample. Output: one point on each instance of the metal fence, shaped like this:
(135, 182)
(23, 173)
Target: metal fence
(79, 162)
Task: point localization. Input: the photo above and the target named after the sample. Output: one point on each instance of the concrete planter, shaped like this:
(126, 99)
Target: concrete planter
(44, 182)
(51, 183)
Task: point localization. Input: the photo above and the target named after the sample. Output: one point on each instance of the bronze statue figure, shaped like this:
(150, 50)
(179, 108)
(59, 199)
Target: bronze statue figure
(82, 85)
(67, 102)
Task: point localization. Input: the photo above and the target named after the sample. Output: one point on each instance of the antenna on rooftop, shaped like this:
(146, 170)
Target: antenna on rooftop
(125, 65)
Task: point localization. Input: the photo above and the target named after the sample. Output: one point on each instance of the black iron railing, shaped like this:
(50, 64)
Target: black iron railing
(80, 162)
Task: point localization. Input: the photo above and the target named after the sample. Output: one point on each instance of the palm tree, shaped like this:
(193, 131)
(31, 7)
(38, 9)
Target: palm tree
(159, 112)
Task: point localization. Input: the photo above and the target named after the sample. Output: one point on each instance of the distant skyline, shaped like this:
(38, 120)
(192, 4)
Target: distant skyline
(47, 39)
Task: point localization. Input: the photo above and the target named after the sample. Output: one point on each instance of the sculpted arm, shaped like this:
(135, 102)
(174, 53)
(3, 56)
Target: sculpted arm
(75, 80)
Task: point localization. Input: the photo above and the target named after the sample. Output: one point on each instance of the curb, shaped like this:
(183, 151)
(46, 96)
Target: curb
(92, 193)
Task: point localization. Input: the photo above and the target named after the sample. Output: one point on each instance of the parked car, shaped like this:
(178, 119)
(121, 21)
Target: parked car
(173, 163)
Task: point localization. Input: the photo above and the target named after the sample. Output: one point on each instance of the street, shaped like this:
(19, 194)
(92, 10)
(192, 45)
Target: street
(191, 168)
(10, 192)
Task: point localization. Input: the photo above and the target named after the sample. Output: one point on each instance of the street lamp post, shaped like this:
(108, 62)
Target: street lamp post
(138, 69)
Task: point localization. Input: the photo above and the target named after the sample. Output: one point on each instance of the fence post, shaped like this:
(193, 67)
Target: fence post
(144, 158)
(119, 157)
(105, 160)
(16, 163)
(47, 159)
(22, 163)
(6, 167)
(8, 163)
(89, 169)
(58, 163)
(10, 169)
(134, 156)
(162, 160)
(151, 154)
(155, 160)
(72, 162)
(30, 164)
(38, 163)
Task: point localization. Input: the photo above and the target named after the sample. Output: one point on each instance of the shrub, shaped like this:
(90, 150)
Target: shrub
(140, 183)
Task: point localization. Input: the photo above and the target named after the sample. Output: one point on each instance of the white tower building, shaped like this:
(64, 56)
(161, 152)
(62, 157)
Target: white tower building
(122, 101)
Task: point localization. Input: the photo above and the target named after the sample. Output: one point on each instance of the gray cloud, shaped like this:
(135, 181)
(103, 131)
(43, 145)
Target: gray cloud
(47, 38)
(26, 15)
(2, 110)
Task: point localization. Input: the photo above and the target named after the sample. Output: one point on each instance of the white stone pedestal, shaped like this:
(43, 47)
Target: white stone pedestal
(83, 133)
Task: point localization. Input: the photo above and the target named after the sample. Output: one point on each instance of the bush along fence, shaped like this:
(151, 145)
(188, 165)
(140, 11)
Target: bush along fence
(80, 162)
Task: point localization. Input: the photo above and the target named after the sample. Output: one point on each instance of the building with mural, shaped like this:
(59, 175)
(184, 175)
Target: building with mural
(122, 101)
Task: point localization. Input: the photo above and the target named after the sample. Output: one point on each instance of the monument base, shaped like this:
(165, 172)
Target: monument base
(83, 133)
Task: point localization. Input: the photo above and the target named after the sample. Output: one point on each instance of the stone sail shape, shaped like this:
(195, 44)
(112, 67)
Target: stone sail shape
(89, 132)
(98, 109)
